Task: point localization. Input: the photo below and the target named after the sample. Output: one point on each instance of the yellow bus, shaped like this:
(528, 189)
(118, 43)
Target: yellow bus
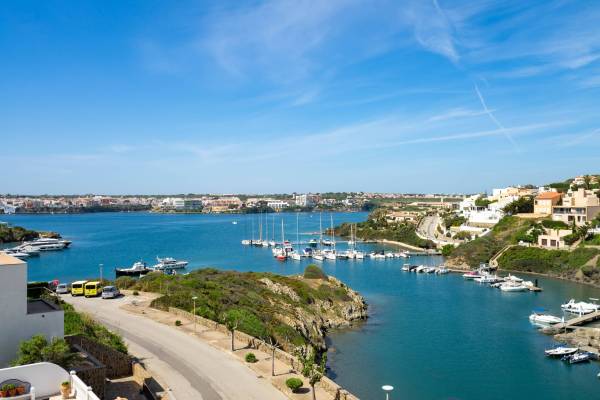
(93, 289)
(77, 288)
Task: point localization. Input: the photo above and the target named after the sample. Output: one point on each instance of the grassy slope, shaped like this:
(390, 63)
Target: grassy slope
(220, 292)
(80, 324)
(482, 249)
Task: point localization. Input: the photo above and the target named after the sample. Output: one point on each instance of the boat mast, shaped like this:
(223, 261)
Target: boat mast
(297, 230)
(332, 238)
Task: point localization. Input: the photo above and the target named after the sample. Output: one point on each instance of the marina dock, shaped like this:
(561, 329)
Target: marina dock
(575, 322)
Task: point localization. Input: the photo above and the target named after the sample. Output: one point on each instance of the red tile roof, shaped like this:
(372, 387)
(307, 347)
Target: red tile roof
(548, 196)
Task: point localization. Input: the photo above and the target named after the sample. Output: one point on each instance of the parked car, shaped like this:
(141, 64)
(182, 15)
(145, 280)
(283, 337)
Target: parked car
(62, 288)
(110, 292)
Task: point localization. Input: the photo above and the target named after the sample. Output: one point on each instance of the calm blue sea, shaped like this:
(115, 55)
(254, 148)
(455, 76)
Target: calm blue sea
(431, 337)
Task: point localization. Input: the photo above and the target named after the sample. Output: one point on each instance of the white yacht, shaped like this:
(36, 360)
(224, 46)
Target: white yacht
(580, 308)
(441, 270)
(538, 317)
(169, 263)
(513, 287)
(561, 351)
(47, 244)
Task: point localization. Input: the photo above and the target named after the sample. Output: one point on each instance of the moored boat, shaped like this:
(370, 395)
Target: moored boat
(169, 263)
(138, 268)
(561, 351)
(538, 317)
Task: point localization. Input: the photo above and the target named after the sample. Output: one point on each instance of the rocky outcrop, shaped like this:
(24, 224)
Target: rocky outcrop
(343, 308)
(588, 338)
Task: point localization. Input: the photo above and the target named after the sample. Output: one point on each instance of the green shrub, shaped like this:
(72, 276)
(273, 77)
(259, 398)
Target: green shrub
(551, 224)
(251, 358)
(447, 250)
(37, 349)
(81, 324)
(125, 282)
(312, 271)
(294, 384)
(571, 238)
(462, 235)
(136, 293)
(177, 323)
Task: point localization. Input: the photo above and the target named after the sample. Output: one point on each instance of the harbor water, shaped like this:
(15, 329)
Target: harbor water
(431, 337)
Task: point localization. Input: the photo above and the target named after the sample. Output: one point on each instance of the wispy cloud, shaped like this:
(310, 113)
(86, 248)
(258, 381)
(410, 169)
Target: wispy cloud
(456, 113)
(490, 114)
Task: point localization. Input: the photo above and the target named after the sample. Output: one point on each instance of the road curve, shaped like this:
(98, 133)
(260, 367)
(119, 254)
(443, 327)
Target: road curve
(190, 367)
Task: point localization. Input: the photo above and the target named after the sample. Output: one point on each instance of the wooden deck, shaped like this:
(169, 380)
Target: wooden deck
(577, 321)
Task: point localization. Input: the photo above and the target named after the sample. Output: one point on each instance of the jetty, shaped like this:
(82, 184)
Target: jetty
(575, 322)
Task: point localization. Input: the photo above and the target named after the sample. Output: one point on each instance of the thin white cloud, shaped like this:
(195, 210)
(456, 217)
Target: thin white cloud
(456, 113)
(494, 119)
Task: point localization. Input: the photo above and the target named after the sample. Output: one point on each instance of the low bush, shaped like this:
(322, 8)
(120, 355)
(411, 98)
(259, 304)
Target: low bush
(178, 323)
(294, 384)
(312, 271)
(136, 293)
(251, 358)
(81, 324)
(551, 224)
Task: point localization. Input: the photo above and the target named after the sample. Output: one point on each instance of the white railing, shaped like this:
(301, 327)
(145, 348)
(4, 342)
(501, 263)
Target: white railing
(80, 390)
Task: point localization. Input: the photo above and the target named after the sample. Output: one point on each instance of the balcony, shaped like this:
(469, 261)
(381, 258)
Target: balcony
(43, 381)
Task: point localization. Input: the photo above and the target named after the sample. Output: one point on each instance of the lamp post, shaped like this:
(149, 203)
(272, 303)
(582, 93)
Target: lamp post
(195, 298)
(101, 266)
(387, 389)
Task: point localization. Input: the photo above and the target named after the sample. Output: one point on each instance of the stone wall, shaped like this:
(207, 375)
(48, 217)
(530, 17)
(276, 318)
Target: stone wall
(94, 376)
(117, 364)
(326, 384)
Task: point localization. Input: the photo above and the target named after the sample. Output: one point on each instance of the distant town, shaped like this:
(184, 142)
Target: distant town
(212, 203)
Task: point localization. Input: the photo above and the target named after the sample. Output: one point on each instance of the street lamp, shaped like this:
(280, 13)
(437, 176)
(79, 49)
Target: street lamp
(195, 298)
(101, 271)
(387, 389)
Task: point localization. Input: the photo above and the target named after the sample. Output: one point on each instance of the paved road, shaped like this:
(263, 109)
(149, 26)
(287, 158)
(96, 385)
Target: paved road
(192, 369)
(428, 226)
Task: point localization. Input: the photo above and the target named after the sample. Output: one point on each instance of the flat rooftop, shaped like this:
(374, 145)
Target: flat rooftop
(40, 306)
(6, 259)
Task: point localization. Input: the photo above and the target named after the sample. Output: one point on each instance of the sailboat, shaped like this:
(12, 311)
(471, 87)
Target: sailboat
(330, 254)
(272, 242)
(295, 255)
(318, 254)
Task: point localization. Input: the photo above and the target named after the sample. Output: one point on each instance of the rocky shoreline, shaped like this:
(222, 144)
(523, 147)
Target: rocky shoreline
(323, 314)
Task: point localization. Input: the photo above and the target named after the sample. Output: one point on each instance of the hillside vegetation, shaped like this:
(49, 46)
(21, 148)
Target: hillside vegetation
(509, 230)
(292, 310)
(376, 227)
(10, 234)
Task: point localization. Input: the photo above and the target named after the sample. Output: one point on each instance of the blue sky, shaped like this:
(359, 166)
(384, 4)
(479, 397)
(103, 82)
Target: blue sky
(276, 96)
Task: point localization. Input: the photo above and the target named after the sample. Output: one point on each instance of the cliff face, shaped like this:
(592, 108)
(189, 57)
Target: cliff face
(339, 307)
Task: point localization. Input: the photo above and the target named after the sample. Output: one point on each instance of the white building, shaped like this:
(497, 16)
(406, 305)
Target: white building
(20, 318)
(306, 200)
(278, 204)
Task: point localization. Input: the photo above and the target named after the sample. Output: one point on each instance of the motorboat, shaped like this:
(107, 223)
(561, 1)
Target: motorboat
(389, 255)
(295, 256)
(579, 357)
(513, 287)
(406, 267)
(17, 254)
(169, 263)
(580, 308)
(441, 270)
(420, 268)
(429, 270)
(343, 255)
(359, 255)
(512, 278)
(139, 268)
(246, 242)
(378, 256)
(561, 351)
(329, 255)
(318, 256)
(313, 243)
(538, 317)
(471, 275)
(327, 242)
(487, 278)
